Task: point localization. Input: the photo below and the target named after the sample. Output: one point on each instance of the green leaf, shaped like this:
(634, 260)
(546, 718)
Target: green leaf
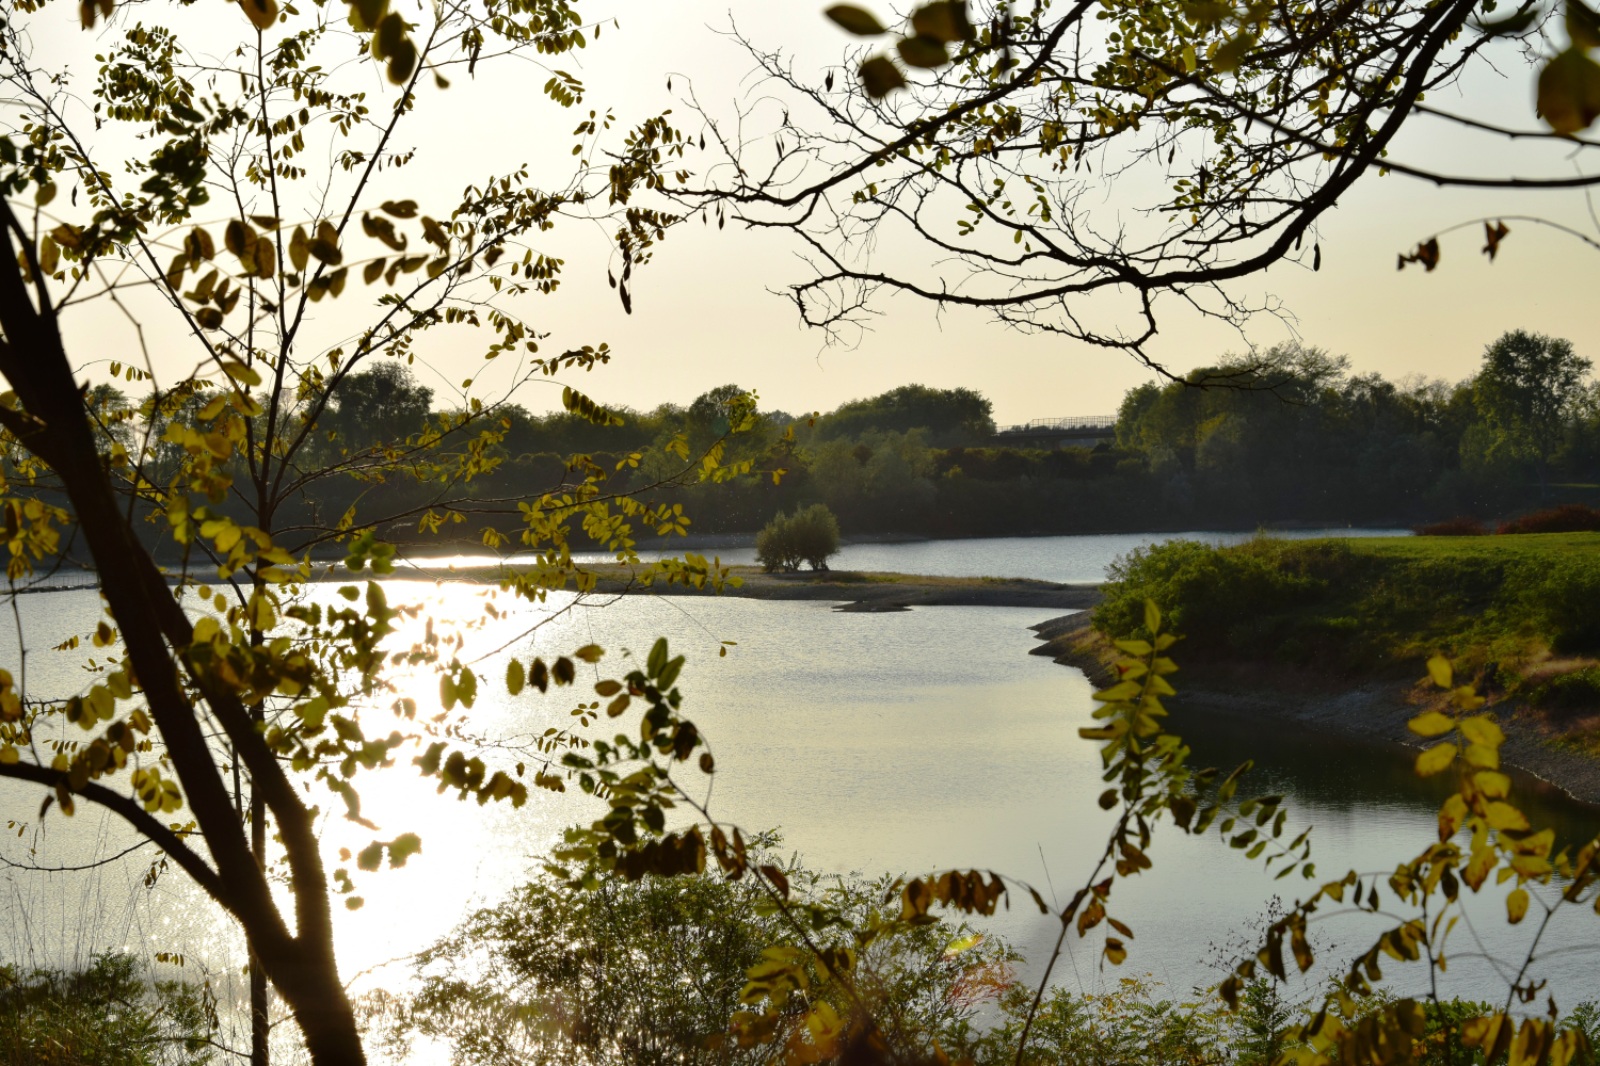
(238, 238)
(370, 856)
(922, 52)
(403, 847)
(325, 246)
(263, 13)
(855, 20)
(1569, 91)
(1583, 24)
(366, 14)
(516, 677)
(1514, 23)
(944, 20)
(881, 77)
(1152, 617)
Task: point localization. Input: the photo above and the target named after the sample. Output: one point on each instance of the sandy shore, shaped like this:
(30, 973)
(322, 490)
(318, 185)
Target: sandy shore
(1375, 710)
(850, 590)
(856, 591)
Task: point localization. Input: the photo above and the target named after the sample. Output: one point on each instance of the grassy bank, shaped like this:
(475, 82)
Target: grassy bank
(1521, 614)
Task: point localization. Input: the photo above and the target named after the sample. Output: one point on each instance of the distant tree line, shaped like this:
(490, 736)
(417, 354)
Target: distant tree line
(1289, 435)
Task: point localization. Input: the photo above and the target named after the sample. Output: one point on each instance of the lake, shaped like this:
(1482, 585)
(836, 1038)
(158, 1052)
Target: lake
(904, 742)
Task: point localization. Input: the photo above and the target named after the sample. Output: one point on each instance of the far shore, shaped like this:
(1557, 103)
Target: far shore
(1374, 709)
(850, 590)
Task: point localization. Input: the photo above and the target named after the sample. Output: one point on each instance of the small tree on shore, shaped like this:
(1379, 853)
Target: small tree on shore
(808, 536)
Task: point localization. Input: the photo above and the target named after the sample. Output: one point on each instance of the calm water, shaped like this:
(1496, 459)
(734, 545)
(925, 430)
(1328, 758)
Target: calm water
(1076, 559)
(903, 742)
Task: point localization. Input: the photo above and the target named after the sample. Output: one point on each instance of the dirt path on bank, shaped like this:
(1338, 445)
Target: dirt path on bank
(1375, 710)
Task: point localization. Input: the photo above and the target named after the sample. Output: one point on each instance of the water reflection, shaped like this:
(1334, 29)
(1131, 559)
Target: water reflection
(900, 742)
(1078, 559)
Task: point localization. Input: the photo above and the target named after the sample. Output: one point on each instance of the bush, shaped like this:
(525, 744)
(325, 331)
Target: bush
(1570, 601)
(652, 972)
(1463, 526)
(106, 1015)
(1228, 600)
(808, 536)
(1568, 518)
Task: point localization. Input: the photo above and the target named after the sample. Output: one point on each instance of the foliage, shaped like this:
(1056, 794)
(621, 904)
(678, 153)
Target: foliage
(808, 536)
(109, 1014)
(1365, 604)
(1023, 159)
(1527, 390)
(241, 191)
(652, 971)
(1482, 834)
(1568, 518)
(1570, 597)
(951, 417)
(1460, 526)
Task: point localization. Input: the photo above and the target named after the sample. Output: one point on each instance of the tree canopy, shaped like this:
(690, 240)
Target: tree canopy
(1083, 169)
(229, 210)
(1528, 389)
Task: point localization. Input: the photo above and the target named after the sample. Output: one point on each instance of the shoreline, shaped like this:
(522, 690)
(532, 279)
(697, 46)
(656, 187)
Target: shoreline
(849, 590)
(1375, 710)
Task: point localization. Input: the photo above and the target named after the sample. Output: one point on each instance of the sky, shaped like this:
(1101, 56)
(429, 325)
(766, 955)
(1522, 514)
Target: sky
(710, 309)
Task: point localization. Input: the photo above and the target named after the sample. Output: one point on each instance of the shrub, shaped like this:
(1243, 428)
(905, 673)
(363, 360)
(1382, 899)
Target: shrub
(105, 1015)
(1462, 526)
(1579, 690)
(1568, 518)
(808, 536)
(1230, 600)
(652, 972)
(1569, 598)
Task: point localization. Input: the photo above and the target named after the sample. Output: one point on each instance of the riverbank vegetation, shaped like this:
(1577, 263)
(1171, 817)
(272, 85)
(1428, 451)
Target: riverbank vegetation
(652, 972)
(1517, 612)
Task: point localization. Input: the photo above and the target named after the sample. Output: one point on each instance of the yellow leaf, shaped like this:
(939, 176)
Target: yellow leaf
(1528, 1046)
(1504, 816)
(1481, 729)
(1517, 905)
(1435, 759)
(1117, 693)
(1492, 783)
(1439, 670)
(241, 373)
(1451, 815)
(1431, 724)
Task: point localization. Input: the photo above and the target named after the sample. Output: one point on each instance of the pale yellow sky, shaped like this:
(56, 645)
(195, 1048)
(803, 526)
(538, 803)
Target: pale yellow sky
(704, 314)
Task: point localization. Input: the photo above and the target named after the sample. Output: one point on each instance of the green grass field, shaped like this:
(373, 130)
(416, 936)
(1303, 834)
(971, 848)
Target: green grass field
(1531, 546)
